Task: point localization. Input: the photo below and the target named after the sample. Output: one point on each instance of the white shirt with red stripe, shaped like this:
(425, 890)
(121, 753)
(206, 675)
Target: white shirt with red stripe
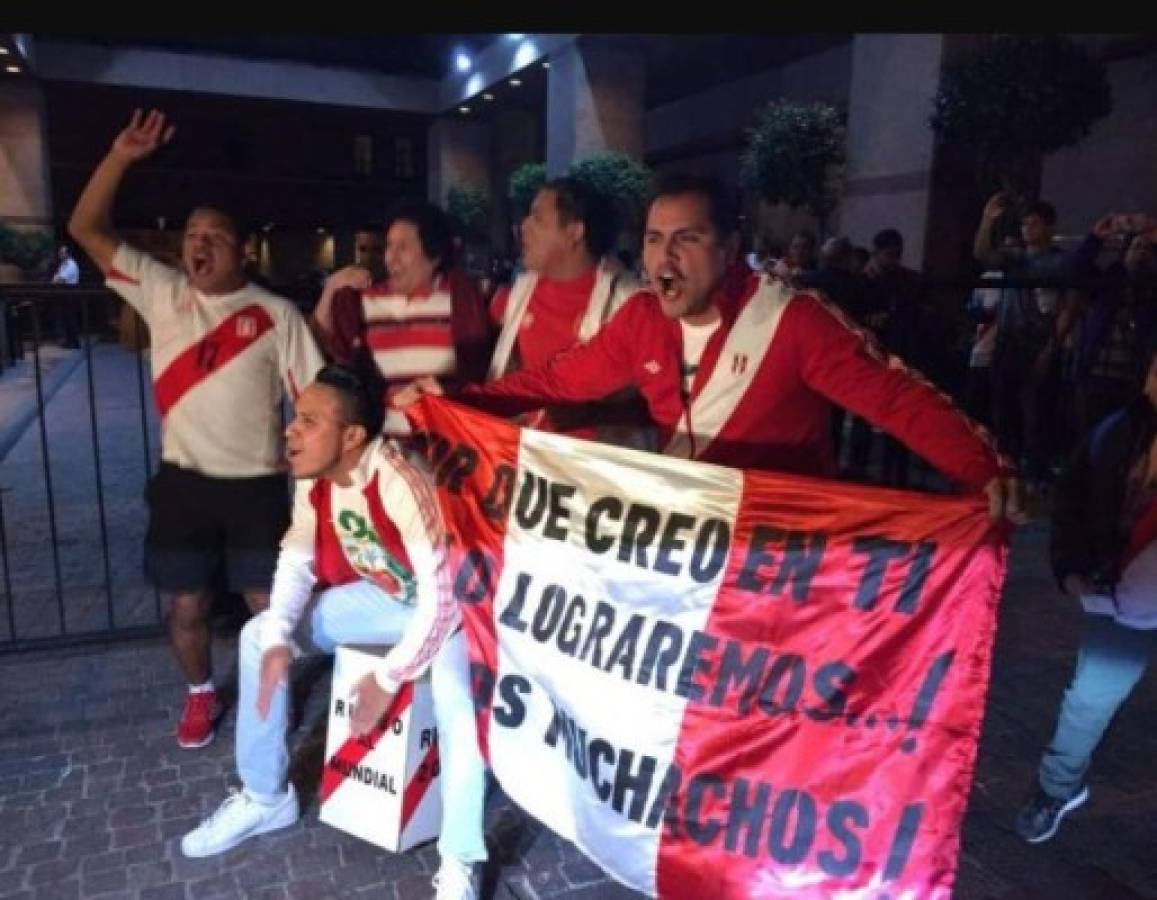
(403, 494)
(220, 364)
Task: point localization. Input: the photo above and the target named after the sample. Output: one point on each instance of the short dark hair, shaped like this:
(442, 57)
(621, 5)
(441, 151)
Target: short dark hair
(888, 237)
(808, 236)
(362, 391)
(722, 206)
(435, 230)
(579, 201)
(1042, 208)
(241, 227)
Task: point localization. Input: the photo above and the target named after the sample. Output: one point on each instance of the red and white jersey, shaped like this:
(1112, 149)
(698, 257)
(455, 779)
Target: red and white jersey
(761, 395)
(384, 527)
(220, 366)
(529, 320)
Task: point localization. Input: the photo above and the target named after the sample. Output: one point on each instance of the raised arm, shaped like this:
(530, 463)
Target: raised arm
(91, 221)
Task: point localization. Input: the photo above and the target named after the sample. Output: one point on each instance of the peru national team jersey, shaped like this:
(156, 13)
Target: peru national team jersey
(220, 365)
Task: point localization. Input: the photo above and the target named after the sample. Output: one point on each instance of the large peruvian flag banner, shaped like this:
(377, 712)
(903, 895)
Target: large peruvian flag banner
(720, 683)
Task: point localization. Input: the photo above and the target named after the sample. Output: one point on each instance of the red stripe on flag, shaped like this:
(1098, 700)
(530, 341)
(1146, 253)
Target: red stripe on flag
(354, 750)
(476, 543)
(217, 348)
(419, 784)
(791, 743)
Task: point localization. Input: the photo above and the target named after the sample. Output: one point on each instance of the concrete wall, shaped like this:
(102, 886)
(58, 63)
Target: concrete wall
(1115, 167)
(25, 195)
(725, 112)
(594, 103)
(217, 74)
(705, 133)
(890, 144)
(458, 153)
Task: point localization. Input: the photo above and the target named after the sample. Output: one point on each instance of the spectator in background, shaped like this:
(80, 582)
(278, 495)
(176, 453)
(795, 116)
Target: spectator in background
(799, 259)
(1031, 327)
(66, 314)
(1119, 322)
(369, 252)
(861, 256)
(900, 294)
(1104, 553)
(855, 295)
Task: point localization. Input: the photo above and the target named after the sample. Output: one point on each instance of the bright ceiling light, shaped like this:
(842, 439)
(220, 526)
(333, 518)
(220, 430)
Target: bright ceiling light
(462, 62)
(525, 54)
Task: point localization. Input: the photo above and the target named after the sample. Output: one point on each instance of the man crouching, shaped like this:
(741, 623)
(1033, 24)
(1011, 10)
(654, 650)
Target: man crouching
(362, 563)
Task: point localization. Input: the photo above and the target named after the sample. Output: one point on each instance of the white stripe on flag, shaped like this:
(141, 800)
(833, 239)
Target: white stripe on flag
(607, 706)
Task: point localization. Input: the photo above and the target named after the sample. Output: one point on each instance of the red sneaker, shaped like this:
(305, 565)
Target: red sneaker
(196, 728)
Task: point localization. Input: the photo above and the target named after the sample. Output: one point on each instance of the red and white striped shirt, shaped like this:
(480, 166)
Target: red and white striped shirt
(384, 527)
(409, 336)
(220, 364)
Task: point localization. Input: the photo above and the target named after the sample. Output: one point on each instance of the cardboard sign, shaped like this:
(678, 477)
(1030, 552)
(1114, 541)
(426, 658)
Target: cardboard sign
(383, 787)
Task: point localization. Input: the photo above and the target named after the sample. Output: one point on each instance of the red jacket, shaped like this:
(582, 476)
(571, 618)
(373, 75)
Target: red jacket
(816, 357)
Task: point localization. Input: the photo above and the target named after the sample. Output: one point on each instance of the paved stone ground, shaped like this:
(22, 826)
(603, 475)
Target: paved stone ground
(94, 792)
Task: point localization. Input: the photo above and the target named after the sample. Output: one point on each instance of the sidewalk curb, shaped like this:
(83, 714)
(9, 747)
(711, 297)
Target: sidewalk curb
(25, 413)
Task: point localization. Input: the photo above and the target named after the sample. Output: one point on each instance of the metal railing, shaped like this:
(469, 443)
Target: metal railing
(71, 476)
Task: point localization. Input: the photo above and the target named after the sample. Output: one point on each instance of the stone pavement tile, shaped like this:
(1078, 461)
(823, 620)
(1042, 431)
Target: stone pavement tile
(607, 890)
(262, 871)
(164, 892)
(395, 866)
(581, 872)
(213, 887)
(314, 859)
(312, 887)
(53, 872)
(149, 874)
(412, 887)
(357, 875)
(36, 853)
(96, 883)
(87, 845)
(58, 890)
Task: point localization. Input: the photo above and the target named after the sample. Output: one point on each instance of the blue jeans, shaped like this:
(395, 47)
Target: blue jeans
(1111, 660)
(360, 613)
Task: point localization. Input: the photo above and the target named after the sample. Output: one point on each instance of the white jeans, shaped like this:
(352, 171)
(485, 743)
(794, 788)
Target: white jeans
(360, 613)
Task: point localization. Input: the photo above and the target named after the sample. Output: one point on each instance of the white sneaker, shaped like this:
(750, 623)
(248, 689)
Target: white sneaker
(454, 881)
(237, 818)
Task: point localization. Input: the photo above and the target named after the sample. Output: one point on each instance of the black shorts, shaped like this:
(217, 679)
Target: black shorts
(196, 522)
